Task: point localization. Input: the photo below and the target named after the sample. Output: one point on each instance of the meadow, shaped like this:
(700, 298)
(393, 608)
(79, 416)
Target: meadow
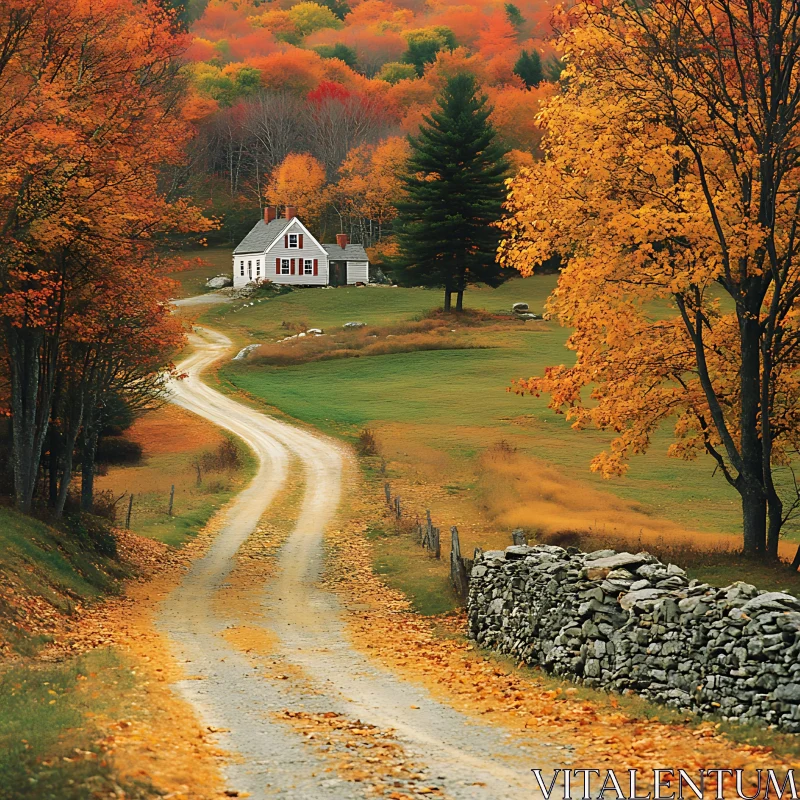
(454, 437)
(174, 442)
(456, 401)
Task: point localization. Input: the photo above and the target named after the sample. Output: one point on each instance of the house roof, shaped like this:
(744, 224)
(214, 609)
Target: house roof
(353, 252)
(264, 234)
(261, 236)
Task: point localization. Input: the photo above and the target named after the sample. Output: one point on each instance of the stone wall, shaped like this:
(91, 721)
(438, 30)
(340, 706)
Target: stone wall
(629, 623)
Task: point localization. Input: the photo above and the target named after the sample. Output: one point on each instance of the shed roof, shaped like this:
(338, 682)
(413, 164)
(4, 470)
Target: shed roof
(353, 252)
(261, 236)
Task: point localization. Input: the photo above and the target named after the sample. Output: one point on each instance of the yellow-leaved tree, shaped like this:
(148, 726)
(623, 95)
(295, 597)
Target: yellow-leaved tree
(369, 188)
(671, 190)
(299, 180)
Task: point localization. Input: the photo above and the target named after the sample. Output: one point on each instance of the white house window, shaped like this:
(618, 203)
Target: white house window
(258, 268)
(308, 267)
(293, 240)
(249, 269)
(284, 266)
(241, 268)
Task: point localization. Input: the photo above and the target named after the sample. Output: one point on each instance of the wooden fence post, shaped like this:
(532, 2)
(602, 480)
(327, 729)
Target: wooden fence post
(435, 546)
(398, 511)
(458, 569)
(427, 539)
(171, 499)
(128, 518)
(388, 492)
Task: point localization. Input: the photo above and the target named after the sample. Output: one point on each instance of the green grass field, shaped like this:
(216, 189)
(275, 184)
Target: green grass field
(459, 396)
(193, 281)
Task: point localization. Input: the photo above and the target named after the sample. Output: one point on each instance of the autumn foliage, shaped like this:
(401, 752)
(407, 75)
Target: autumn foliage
(670, 190)
(341, 77)
(90, 109)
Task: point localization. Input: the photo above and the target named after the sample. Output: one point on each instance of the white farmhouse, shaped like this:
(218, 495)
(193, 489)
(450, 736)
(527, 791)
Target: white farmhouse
(283, 251)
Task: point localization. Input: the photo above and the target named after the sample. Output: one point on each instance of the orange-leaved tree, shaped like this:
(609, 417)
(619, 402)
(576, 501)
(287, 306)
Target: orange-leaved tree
(299, 180)
(671, 190)
(370, 186)
(90, 110)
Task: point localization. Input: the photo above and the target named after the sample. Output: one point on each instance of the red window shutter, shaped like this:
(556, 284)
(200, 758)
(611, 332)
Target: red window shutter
(316, 266)
(286, 241)
(292, 266)
(300, 241)
(277, 266)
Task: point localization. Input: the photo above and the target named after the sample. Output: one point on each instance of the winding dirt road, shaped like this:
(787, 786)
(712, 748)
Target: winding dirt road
(269, 758)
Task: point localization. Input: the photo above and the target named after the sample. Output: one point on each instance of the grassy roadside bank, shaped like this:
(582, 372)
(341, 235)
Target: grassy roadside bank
(72, 696)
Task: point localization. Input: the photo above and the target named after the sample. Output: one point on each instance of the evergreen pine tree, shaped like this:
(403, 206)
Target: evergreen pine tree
(454, 191)
(514, 15)
(529, 68)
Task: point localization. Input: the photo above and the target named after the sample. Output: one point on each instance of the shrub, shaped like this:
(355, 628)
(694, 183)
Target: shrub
(367, 443)
(118, 450)
(295, 326)
(104, 505)
(225, 457)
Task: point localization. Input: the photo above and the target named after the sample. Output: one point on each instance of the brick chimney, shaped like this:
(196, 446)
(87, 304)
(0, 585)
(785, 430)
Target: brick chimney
(270, 213)
(290, 212)
(342, 239)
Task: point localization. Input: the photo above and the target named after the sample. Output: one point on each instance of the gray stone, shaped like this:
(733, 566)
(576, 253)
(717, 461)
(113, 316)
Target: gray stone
(770, 601)
(601, 567)
(518, 551)
(519, 308)
(632, 599)
(349, 326)
(592, 668)
(788, 692)
(219, 282)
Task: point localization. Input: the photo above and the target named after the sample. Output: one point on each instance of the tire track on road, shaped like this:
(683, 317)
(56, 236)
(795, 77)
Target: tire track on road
(465, 759)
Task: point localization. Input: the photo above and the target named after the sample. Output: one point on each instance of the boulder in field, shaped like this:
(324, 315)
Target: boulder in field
(219, 282)
(350, 326)
(520, 308)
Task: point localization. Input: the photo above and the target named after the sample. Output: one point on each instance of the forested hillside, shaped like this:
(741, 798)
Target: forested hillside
(309, 103)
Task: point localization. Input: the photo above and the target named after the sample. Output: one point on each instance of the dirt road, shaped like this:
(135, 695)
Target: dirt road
(323, 674)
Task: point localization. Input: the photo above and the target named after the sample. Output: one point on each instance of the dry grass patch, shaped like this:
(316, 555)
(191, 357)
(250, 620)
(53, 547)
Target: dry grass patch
(436, 331)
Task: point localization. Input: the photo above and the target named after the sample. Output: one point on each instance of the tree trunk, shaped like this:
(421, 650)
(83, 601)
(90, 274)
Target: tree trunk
(754, 519)
(28, 418)
(751, 477)
(447, 301)
(67, 461)
(89, 451)
(52, 470)
(460, 299)
(774, 524)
